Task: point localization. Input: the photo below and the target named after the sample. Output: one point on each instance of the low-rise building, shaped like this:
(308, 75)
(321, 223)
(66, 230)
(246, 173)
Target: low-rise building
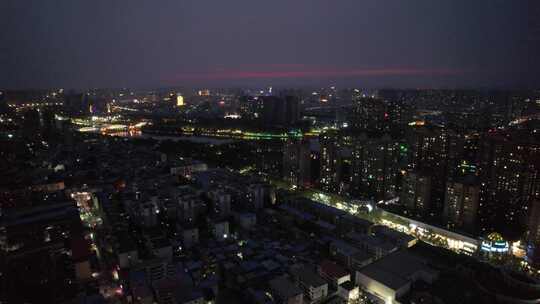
(391, 277)
(186, 167)
(333, 273)
(343, 252)
(315, 288)
(372, 244)
(348, 291)
(284, 291)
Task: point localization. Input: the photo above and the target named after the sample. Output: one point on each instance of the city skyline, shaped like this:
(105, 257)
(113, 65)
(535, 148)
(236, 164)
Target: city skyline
(270, 152)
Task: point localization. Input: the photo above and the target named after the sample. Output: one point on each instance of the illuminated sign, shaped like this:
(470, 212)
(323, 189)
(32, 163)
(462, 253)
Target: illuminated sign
(497, 246)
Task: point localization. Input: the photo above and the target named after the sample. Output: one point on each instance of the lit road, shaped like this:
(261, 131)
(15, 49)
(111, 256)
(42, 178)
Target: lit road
(366, 210)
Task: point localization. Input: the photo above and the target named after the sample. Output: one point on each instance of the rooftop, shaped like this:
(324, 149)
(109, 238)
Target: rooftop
(284, 287)
(332, 269)
(309, 277)
(395, 270)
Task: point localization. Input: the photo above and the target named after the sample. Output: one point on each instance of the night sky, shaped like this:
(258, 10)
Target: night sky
(365, 43)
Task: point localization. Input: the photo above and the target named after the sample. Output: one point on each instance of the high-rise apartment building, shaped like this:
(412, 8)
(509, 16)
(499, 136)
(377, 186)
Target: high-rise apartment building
(510, 176)
(461, 203)
(416, 192)
(331, 161)
(375, 165)
(297, 162)
(278, 111)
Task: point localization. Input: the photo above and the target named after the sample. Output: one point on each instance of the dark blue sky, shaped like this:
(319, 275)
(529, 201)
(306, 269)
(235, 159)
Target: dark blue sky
(399, 43)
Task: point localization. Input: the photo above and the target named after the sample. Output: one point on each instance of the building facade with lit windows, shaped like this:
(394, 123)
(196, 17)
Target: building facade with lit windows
(461, 203)
(297, 163)
(416, 192)
(370, 114)
(375, 165)
(510, 176)
(330, 162)
(430, 151)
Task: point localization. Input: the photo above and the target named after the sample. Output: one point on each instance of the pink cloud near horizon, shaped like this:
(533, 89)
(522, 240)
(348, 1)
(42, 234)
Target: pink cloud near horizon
(285, 71)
